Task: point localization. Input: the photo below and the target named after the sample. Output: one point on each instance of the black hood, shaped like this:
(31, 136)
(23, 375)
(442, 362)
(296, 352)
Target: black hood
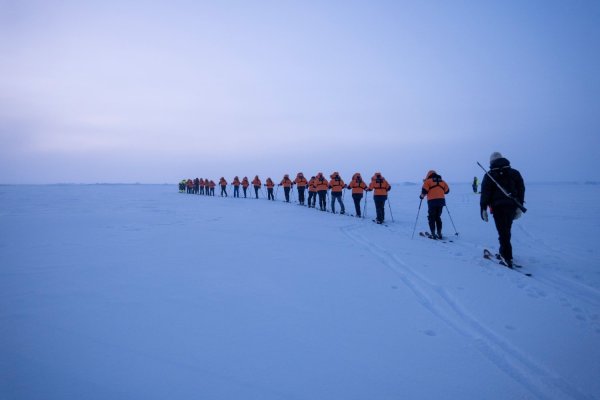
(500, 163)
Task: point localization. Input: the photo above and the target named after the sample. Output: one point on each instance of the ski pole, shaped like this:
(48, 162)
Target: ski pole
(365, 207)
(390, 207)
(510, 196)
(450, 215)
(418, 211)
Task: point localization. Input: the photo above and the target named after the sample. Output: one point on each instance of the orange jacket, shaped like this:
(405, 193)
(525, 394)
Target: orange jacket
(256, 182)
(300, 180)
(434, 186)
(357, 184)
(189, 183)
(286, 182)
(206, 183)
(312, 185)
(321, 183)
(380, 185)
(245, 182)
(236, 181)
(269, 184)
(336, 184)
(212, 184)
(222, 182)
(201, 182)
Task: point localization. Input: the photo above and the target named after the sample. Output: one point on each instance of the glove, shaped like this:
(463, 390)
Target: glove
(484, 215)
(518, 214)
(421, 197)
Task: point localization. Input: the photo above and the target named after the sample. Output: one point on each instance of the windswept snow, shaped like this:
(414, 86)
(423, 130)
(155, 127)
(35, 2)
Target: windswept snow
(138, 291)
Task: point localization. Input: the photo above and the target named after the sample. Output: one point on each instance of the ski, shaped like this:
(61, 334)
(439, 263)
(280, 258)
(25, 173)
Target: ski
(429, 236)
(489, 256)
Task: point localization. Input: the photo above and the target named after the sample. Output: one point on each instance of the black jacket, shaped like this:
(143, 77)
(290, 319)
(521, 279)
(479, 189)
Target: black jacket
(510, 179)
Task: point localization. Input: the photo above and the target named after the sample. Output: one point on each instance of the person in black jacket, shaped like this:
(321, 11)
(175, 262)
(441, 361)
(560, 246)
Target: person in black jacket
(503, 208)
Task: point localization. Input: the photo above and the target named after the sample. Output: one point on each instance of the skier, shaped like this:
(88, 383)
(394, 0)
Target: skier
(358, 186)
(212, 185)
(436, 189)
(196, 186)
(236, 187)
(270, 185)
(287, 183)
(223, 184)
(381, 188)
(475, 184)
(257, 184)
(337, 185)
(245, 185)
(503, 208)
(301, 184)
(312, 192)
(322, 185)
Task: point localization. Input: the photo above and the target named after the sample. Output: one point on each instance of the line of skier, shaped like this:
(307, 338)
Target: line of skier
(309, 190)
(502, 192)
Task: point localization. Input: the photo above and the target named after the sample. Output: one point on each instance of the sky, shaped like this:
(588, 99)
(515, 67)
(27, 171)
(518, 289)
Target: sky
(156, 91)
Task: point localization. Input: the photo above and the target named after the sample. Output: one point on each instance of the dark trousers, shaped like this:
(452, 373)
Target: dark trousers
(337, 196)
(196, 189)
(270, 194)
(286, 192)
(223, 190)
(256, 191)
(322, 199)
(212, 191)
(201, 189)
(245, 189)
(301, 194)
(380, 207)
(312, 199)
(189, 190)
(357, 197)
(503, 217)
(434, 217)
(236, 191)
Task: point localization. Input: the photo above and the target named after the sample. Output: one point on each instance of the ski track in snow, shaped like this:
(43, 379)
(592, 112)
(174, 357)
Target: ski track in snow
(542, 383)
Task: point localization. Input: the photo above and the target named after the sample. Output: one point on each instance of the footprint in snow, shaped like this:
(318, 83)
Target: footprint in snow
(429, 332)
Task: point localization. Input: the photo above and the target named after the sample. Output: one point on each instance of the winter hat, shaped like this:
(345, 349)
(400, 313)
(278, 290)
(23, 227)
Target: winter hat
(495, 155)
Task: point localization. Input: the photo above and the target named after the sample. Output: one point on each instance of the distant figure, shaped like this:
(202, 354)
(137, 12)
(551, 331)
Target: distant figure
(182, 186)
(322, 185)
(436, 190)
(207, 187)
(270, 185)
(190, 186)
(223, 184)
(381, 188)
(503, 208)
(201, 186)
(212, 185)
(257, 185)
(245, 185)
(301, 184)
(287, 183)
(358, 187)
(475, 184)
(337, 185)
(236, 187)
(312, 192)
(196, 186)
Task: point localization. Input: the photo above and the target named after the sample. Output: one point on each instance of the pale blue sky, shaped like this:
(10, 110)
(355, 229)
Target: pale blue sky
(128, 91)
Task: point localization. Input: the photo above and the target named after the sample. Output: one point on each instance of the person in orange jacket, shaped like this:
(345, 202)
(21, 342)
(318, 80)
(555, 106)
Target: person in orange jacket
(322, 185)
(201, 187)
(436, 190)
(287, 184)
(358, 187)
(270, 185)
(196, 185)
(212, 185)
(190, 186)
(312, 192)
(301, 184)
(257, 185)
(337, 185)
(245, 185)
(236, 187)
(223, 184)
(381, 188)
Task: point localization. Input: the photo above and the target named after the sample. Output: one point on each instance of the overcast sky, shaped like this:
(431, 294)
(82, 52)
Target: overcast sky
(149, 91)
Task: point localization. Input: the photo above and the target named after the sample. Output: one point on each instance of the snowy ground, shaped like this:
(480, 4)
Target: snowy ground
(139, 292)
